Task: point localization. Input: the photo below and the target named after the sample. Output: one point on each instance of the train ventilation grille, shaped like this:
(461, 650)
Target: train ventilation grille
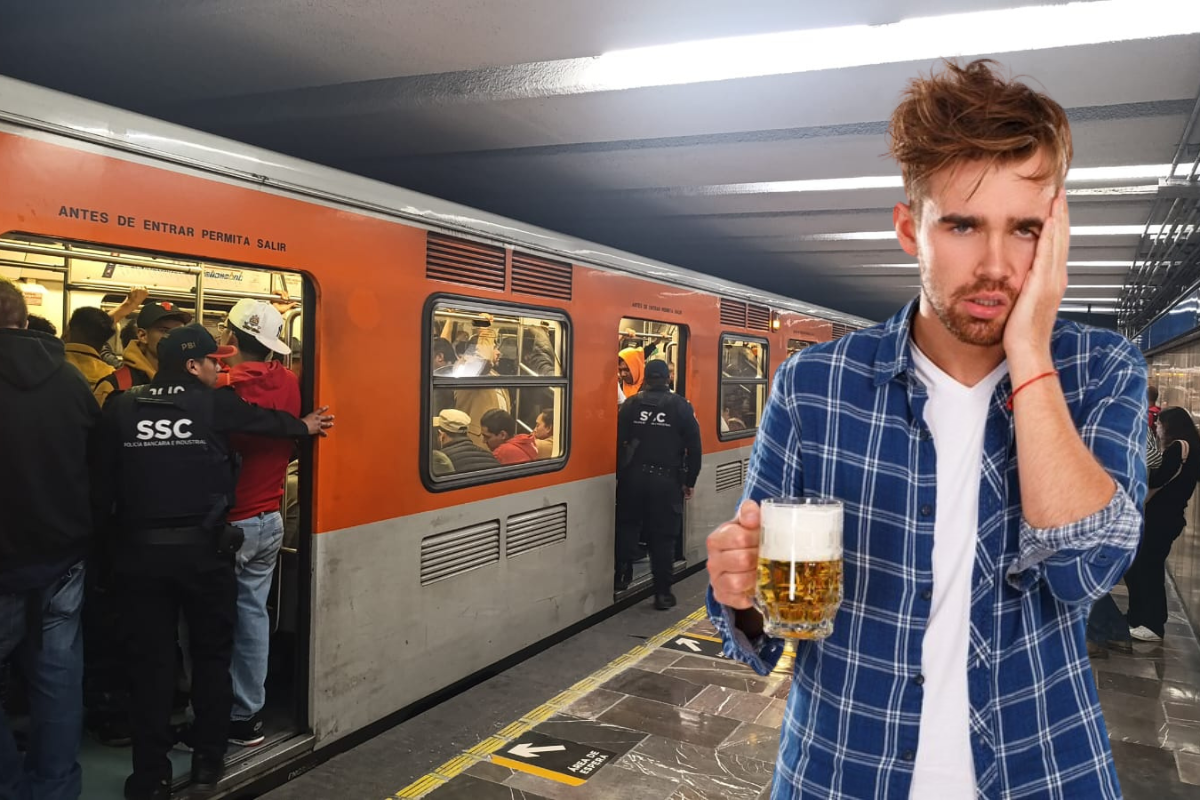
(758, 318)
(463, 261)
(730, 476)
(733, 312)
(446, 555)
(840, 329)
(535, 529)
(541, 277)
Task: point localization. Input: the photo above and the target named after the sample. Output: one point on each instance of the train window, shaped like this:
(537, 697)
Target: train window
(796, 345)
(497, 384)
(743, 385)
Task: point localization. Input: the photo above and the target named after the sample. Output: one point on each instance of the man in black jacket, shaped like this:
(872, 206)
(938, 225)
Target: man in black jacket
(455, 452)
(658, 442)
(47, 417)
(169, 471)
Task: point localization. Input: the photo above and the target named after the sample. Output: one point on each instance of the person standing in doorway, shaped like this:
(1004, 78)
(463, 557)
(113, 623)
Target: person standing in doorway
(254, 328)
(658, 439)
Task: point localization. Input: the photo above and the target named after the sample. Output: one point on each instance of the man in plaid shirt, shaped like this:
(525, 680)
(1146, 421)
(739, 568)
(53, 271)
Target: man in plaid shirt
(991, 460)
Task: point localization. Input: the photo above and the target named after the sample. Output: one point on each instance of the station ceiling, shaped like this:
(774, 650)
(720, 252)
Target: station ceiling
(727, 158)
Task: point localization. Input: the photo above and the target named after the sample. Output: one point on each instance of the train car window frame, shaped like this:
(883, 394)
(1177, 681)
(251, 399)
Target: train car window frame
(560, 384)
(763, 380)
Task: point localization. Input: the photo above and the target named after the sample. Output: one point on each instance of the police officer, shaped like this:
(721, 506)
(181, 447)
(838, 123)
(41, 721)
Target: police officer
(170, 476)
(659, 460)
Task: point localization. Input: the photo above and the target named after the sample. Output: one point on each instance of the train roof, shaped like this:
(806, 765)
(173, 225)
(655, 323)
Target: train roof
(33, 107)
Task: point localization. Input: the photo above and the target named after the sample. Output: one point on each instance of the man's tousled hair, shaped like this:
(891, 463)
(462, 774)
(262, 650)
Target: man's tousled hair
(973, 113)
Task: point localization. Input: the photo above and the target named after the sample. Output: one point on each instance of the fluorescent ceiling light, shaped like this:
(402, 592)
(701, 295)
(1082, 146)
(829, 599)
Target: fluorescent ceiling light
(1077, 175)
(1087, 310)
(1076, 230)
(1122, 264)
(918, 39)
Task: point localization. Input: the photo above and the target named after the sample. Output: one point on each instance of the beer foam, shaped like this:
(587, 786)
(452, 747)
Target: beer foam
(801, 532)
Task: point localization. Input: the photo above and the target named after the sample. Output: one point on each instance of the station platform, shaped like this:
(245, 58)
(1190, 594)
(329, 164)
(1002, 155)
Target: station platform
(641, 707)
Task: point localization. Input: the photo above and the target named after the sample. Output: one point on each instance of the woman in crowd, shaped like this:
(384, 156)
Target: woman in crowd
(1171, 487)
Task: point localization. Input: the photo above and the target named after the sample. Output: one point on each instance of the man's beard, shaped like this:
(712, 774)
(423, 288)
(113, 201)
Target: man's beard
(964, 327)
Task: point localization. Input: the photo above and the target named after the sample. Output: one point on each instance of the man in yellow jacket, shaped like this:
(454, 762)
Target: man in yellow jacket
(87, 331)
(154, 321)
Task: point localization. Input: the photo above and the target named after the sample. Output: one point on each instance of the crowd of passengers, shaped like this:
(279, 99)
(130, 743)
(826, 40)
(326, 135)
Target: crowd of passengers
(478, 427)
(134, 574)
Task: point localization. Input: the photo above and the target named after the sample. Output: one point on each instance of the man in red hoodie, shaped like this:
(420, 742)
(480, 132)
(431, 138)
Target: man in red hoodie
(254, 327)
(499, 431)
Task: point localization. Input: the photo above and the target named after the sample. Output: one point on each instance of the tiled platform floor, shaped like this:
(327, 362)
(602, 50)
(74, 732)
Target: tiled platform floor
(689, 727)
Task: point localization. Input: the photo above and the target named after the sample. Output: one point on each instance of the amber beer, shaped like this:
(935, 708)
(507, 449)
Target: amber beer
(800, 566)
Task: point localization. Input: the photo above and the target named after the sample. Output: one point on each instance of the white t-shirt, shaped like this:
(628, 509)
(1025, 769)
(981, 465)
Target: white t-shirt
(956, 416)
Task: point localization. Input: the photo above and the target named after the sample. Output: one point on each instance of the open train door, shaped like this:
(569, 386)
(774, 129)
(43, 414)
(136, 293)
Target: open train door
(664, 341)
(62, 276)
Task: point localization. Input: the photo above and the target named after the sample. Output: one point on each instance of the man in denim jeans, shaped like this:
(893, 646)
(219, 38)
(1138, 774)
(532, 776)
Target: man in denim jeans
(254, 327)
(47, 427)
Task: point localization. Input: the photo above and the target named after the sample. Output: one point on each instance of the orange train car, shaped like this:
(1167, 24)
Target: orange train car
(398, 577)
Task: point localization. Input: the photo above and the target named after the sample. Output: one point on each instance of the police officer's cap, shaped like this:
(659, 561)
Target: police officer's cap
(658, 370)
(190, 342)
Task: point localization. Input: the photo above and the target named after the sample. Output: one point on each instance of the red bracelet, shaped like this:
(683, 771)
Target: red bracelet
(1034, 379)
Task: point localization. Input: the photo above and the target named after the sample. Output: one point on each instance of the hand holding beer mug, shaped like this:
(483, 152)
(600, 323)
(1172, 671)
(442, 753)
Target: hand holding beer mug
(799, 585)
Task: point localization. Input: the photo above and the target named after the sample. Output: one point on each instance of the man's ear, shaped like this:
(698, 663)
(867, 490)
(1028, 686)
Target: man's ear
(905, 222)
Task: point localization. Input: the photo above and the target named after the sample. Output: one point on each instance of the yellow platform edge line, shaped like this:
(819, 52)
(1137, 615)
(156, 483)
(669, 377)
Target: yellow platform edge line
(548, 774)
(432, 780)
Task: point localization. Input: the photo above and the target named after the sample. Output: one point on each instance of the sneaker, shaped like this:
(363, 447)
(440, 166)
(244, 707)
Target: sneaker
(138, 788)
(206, 772)
(246, 732)
(664, 601)
(1144, 634)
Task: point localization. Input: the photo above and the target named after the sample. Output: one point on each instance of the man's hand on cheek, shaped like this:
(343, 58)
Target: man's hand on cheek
(1027, 332)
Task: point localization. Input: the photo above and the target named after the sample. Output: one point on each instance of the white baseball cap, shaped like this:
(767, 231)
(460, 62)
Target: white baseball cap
(260, 320)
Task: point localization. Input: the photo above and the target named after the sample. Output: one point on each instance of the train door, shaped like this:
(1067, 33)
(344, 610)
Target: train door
(644, 340)
(59, 277)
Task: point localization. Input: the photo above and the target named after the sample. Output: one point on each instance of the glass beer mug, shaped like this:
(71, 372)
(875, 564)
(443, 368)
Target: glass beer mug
(799, 585)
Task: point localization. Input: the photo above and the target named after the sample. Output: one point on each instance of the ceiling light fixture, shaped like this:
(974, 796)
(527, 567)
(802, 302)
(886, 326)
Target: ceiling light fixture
(970, 34)
(1077, 175)
(1076, 230)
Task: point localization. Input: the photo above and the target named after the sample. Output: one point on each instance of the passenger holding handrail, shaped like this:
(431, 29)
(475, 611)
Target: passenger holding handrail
(140, 359)
(254, 328)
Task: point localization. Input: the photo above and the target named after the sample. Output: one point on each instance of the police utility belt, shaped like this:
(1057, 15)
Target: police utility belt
(227, 538)
(655, 469)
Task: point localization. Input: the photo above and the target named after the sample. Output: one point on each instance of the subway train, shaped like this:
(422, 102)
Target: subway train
(401, 579)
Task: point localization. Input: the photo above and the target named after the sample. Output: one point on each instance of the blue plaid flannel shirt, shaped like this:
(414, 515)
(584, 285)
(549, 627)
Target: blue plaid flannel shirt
(844, 419)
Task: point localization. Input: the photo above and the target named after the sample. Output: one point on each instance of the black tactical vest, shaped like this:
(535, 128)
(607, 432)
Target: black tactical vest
(176, 471)
(657, 427)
